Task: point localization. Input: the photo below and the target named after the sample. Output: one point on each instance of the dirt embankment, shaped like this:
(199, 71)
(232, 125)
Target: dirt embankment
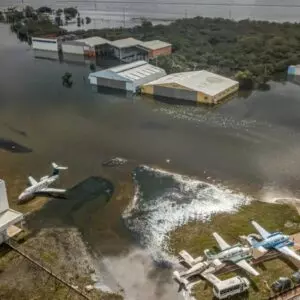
(60, 250)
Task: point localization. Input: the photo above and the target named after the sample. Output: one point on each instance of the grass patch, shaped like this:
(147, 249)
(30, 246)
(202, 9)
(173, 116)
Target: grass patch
(197, 236)
(49, 256)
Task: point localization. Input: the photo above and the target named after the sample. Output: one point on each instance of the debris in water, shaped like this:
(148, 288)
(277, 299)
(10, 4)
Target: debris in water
(114, 162)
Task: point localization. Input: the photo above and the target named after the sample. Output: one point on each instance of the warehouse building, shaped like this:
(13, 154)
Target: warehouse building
(156, 48)
(48, 44)
(127, 77)
(198, 86)
(91, 46)
(8, 217)
(128, 50)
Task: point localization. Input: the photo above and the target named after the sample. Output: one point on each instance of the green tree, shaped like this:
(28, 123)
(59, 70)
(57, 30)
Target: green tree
(29, 11)
(245, 78)
(2, 18)
(88, 20)
(59, 12)
(44, 9)
(71, 11)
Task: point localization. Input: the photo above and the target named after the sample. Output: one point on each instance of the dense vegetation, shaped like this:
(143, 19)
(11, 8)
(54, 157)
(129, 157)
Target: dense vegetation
(250, 50)
(71, 11)
(31, 22)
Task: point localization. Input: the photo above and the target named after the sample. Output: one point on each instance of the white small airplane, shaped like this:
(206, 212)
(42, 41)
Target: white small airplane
(42, 186)
(275, 240)
(237, 254)
(195, 267)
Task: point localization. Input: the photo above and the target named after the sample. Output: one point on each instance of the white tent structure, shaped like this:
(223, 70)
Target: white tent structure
(8, 217)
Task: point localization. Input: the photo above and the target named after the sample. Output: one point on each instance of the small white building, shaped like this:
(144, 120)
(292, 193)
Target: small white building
(48, 44)
(8, 217)
(128, 50)
(127, 77)
(89, 46)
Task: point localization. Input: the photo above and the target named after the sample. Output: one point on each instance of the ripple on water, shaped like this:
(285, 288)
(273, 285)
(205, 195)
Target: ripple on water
(164, 200)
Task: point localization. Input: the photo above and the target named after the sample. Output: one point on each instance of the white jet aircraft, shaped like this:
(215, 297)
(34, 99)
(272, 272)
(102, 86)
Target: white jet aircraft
(236, 254)
(42, 186)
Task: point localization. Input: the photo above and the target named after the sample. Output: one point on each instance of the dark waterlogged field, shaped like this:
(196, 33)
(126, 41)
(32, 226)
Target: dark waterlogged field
(219, 159)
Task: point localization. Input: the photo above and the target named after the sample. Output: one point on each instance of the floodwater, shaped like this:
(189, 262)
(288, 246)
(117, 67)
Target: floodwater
(128, 13)
(217, 159)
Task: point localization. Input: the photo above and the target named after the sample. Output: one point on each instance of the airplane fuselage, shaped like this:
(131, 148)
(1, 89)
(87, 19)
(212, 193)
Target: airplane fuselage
(276, 240)
(234, 254)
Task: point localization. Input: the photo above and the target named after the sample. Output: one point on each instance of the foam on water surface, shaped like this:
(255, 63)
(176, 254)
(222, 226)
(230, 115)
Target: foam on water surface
(164, 201)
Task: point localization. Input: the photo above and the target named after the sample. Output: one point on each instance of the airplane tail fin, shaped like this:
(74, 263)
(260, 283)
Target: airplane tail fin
(208, 254)
(57, 168)
(252, 241)
(255, 244)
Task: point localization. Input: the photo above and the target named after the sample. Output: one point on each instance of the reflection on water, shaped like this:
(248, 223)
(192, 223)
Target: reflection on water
(11, 146)
(163, 201)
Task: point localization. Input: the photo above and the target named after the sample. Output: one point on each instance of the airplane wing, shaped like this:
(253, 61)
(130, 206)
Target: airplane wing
(222, 244)
(287, 251)
(54, 191)
(247, 267)
(265, 234)
(32, 181)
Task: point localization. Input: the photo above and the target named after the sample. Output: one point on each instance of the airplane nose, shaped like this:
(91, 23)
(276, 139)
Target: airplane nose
(21, 197)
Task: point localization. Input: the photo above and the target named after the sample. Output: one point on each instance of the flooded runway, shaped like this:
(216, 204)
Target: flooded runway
(216, 159)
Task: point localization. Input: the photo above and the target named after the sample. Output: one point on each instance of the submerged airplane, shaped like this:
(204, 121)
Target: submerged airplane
(275, 240)
(42, 186)
(236, 254)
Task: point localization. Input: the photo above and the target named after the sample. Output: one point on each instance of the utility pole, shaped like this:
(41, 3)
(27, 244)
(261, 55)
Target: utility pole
(230, 17)
(185, 14)
(95, 7)
(124, 18)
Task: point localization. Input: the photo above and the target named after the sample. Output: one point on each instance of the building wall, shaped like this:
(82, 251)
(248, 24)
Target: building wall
(130, 87)
(147, 89)
(203, 98)
(130, 54)
(3, 197)
(72, 49)
(225, 93)
(175, 93)
(45, 44)
(111, 83)
(93, 80)
(161, 51)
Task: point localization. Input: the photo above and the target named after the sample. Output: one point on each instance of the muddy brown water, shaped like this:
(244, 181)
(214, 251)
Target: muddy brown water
(248, 144)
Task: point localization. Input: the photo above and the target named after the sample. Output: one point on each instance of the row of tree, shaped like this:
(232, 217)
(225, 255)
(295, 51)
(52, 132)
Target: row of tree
(251, 51)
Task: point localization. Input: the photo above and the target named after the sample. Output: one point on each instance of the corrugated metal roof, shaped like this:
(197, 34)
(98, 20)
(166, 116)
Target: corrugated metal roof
(124, 43)
(128, 66)
(154, 45)
(94, 41)
(138, 72)
(200, 81)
